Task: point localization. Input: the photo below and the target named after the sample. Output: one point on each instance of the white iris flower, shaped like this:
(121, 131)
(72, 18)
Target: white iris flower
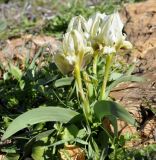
(101, 32)
(111, 33)
(75, 51)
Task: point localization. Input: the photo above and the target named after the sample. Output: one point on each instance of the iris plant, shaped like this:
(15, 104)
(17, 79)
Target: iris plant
(87, 40)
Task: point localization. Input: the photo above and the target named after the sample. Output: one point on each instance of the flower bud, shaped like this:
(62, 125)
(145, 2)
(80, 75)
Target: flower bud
(78, 42)
(64, 63)
(75, 50)
(78, 23)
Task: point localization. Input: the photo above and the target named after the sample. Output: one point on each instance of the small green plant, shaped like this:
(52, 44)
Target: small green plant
(80, 111)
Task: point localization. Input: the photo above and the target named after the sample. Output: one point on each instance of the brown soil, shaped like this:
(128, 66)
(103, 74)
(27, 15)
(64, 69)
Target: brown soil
(16, 50)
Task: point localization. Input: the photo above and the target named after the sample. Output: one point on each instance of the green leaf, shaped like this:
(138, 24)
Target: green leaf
(96, 149)
(12, 156)
(5, 76)
(70, 132)
(39, 148)
(93, 149)
(115, 76)
(9, 150)
(38, 137)
(130, 70)
(113, 121)
(109, 108)
(37, 55)
(22, 84)
(38, 152)
(43, 134)
(123, 79)
(3, 25)
(81, 133)
(78, 140)
(39, 115)
(63, 82)
(60, 142)
(16, 72)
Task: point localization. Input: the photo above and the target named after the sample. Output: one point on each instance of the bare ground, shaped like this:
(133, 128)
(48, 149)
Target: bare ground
(140, 98)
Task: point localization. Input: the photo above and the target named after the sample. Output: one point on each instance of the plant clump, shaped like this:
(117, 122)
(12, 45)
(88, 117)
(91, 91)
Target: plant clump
(76, 121)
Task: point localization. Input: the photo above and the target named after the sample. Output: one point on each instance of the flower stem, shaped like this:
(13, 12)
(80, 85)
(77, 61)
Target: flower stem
(106, 74)
(95, 60)
(88, 84)
(85, 102)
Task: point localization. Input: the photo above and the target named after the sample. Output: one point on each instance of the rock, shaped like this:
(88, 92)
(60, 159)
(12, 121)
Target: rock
(140, 25)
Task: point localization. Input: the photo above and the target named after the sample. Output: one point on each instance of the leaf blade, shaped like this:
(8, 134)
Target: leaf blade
(63, 82)
(130, 78)
(108, 108)
(16, 72)
(39, 115)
